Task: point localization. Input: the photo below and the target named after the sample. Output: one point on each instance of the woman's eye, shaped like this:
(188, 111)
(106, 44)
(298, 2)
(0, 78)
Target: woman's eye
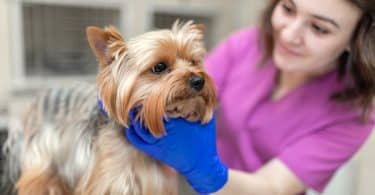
(159, 68)
(287, 9)
(319, 30)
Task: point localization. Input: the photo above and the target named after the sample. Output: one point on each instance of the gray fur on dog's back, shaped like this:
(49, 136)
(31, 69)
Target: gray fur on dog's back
(61, 123)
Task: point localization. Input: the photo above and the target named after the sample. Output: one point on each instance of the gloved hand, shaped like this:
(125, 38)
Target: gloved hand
(188, 147)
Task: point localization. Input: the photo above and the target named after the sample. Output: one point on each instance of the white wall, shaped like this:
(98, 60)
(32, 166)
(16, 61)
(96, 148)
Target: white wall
(4, 54)
(248, 12)
(366, 169)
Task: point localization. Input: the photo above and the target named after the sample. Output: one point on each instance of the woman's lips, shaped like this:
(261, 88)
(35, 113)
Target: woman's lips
(286, 50)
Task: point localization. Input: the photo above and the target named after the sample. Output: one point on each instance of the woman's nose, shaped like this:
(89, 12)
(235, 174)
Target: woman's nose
(293, 32)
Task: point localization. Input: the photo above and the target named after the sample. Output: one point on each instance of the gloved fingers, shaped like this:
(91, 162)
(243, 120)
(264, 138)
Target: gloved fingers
(145, 134)
(133, 113)
(140, 129)
(172, 123)
(212, 121)
(211, 124)
(135, 139)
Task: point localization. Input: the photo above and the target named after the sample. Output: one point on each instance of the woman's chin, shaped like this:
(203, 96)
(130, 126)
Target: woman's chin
(286, 64)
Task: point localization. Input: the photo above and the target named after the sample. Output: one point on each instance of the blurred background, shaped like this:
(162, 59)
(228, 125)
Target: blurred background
(43, 44)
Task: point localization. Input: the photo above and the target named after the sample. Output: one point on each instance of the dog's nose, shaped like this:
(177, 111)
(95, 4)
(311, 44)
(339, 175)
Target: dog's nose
(196, 82)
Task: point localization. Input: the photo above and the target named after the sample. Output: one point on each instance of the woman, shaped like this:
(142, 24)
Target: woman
(295, 102)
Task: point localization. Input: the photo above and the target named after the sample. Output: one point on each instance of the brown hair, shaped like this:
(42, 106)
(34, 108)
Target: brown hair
(356, 67)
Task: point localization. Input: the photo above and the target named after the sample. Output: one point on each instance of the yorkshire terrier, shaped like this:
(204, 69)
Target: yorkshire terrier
(68, 145)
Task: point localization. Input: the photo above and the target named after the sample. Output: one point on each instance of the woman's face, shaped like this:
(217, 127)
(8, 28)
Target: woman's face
(311, 35)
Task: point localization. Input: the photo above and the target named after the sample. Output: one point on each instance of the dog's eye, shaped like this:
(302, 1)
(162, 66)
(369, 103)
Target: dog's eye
(159, 68)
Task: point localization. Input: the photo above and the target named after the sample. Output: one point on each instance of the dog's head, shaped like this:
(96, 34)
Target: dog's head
(160, 72)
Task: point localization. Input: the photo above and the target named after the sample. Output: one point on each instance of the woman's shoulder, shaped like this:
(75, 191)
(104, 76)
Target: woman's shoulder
(329, 112)
(243, 42)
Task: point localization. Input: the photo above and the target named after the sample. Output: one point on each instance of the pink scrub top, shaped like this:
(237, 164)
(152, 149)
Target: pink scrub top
(311, 134)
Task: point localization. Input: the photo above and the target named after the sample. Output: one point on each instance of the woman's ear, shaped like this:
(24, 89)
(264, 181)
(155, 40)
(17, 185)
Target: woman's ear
(348, 49)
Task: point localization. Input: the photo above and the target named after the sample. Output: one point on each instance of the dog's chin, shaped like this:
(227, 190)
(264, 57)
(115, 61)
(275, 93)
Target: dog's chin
(192, 109)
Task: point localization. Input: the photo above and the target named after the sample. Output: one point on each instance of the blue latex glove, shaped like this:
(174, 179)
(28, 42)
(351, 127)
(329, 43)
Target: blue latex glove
(188, 147)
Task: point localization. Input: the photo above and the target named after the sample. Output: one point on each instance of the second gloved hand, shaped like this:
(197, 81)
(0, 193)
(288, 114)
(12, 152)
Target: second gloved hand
(188, 147)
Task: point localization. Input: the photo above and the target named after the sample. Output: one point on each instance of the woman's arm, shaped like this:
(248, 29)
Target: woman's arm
(272, 179)
(190, 148)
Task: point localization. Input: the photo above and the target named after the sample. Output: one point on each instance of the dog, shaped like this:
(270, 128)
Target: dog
(69, 145)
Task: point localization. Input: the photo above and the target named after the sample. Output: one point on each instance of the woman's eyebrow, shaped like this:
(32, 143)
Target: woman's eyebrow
(326, 19)
(319, 17)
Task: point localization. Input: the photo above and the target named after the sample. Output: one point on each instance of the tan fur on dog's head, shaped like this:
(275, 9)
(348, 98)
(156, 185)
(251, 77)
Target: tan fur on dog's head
(161, 72)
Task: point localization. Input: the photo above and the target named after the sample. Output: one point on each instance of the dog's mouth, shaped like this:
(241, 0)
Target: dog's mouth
(192, 108)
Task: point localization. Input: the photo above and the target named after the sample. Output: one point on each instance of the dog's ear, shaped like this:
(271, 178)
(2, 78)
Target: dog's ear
(196, 30)
(200, 29)
(106, 44)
